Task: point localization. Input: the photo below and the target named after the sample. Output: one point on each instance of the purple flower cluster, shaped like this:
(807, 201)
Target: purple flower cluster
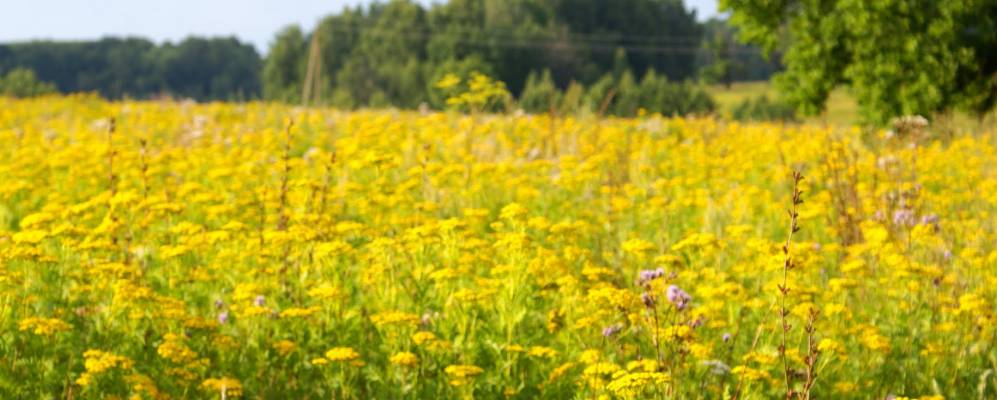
(647, 299)
(678, 297)
(648, 275)
(222, 316)
(904, 217)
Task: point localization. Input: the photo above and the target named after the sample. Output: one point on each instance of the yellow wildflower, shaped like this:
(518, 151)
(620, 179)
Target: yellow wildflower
(404, 359)
(43, 326)
(341, 354)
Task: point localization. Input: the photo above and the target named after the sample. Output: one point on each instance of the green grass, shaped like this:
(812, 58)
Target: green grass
(841, 110)
(841, 107)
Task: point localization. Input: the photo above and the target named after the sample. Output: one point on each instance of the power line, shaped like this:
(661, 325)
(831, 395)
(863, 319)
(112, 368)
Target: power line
(506, 41)
(372, 19)
(610, 37)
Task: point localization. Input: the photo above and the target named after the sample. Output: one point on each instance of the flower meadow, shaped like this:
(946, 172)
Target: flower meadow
(161, 250)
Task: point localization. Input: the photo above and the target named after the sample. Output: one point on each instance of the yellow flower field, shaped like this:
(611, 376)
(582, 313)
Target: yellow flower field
(265, 251)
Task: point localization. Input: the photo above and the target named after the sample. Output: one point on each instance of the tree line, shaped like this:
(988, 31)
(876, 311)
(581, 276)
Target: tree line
(391, 54)
(198, 68)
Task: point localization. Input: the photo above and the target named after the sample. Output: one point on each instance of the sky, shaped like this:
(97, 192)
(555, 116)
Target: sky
(254, 21)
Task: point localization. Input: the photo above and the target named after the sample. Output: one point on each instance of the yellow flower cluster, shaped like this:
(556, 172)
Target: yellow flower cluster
(224, 386)
(394, 318)
(43, 326)
(97, 362)
(635, 385)
(461, 375)
(284, 347)
(404, 359)
(337, 354)
(221, 244)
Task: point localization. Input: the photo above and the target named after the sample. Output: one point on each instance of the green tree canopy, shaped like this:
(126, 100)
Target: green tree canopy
(200, 68)
(22, 82)
(284, 69)
(899, 57)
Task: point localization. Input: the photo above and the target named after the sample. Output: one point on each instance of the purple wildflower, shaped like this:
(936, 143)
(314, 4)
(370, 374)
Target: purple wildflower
(648, 275)
(647, 299)
(223, 317)
(259, 300)
(610, 330)
(678, 297)
(726, 337)
(903, 217)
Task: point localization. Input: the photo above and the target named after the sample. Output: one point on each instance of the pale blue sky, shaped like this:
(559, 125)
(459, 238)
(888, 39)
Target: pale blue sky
(254, 21)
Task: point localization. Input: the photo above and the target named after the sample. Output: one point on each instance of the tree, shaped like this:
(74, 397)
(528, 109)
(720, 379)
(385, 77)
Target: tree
(657, 34)
(284, 68)
(461, 68)
(722, 58)
(722, 66)
(22, 82)
(539, 95)
(899, 57)
(210, 69)
(383, 66)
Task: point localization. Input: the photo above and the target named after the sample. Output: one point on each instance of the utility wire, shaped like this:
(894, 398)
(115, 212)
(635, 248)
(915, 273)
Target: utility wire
(611, 37)
(549, 43)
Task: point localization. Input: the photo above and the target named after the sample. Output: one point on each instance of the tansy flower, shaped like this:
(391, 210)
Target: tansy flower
(227, 387)
(542, 352)
(633, 385)
(97, 362)
(394, 318)
(422, 337)
(297, 312)
(560, 371)
(404, 359)
(324, 292)
(284, 347)
(341, 354)
(43, 326)
(461, 374)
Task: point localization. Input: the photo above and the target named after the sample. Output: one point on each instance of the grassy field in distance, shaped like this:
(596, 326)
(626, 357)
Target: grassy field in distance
(842, 109)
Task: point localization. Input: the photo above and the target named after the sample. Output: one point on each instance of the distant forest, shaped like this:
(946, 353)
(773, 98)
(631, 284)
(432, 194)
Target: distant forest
(202, 69)
(390, 54)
